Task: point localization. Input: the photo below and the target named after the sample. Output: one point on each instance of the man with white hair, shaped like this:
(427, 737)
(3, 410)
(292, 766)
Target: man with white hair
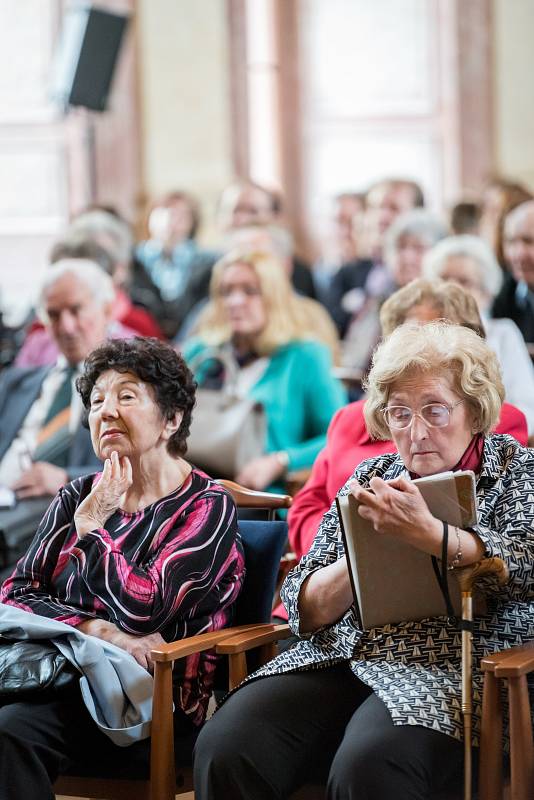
(42, 442)
(516, 298)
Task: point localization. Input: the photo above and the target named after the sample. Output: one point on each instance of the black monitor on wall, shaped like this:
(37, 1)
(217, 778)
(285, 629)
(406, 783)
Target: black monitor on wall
(86, 57)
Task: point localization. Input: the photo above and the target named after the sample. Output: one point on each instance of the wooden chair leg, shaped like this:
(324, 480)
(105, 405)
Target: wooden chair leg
(490, 780)
(162, 768)
(521, 744)
(237, 669)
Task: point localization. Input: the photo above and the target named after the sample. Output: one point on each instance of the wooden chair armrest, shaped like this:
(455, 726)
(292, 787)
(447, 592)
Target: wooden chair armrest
(519, 661)
(172, 651)
(261, 635)
(250, 498)
(491, 662)
(468, 576)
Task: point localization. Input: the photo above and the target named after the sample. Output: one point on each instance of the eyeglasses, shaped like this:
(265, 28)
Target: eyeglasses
(435, 415)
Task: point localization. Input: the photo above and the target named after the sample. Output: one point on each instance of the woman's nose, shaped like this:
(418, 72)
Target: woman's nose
(108, 407)
(418, 428)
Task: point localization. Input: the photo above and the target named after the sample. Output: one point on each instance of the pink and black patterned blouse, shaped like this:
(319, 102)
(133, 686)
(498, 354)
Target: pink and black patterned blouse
(176, 568)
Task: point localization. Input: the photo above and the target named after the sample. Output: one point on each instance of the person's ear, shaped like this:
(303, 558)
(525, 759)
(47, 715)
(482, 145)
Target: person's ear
(172, 425)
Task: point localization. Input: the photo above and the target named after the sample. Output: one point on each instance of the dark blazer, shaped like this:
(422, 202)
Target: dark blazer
(506, 305)
(352, 275)
(19, 388)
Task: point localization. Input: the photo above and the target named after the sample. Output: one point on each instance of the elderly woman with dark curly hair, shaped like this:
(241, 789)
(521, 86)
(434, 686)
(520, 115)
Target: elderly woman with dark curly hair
(144, 552)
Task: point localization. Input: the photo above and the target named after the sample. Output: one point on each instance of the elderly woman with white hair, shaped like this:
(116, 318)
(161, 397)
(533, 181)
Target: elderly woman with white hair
(469, 262)
(377, 712)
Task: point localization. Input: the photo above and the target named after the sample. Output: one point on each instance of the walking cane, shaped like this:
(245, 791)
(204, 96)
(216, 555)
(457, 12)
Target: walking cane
(467, 577)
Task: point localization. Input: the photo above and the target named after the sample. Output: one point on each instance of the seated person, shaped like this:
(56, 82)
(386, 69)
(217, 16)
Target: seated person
(256, 317)
(469, 262)
(42, 441)
(376, 713)
(367, 276)
(516, 298)
(348, 440)
(128, 555)
(245, 203)
(170, 273)
(407, 240)
(39, 348)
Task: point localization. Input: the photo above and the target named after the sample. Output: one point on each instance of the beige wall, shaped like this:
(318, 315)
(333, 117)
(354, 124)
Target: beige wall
(185, 98)
(514, 92)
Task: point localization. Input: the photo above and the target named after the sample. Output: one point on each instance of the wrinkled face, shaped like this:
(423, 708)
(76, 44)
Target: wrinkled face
(466, 272)
(240, 293)
(519, 244)
(76, 321)
(124, 416)
(423, 449)
(407, 258)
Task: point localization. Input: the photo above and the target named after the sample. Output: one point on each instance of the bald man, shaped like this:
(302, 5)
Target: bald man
(516, 299)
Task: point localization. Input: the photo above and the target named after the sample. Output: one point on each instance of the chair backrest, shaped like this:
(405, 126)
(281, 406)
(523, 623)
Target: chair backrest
(264, 542)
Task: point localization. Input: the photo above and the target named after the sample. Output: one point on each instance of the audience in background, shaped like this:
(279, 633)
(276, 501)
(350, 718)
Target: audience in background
(246, 203)
(406, 242)
(469, 262)
(278, 240)
(42, 441)
(255, 318)
(170, 273)
(40, 349)
(499, 197)
(342, 240)
(384, 202)
(465, 218)
(348, 441)
(516, 299)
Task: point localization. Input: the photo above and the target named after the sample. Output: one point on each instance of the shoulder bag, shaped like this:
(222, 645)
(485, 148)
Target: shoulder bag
(227, 431)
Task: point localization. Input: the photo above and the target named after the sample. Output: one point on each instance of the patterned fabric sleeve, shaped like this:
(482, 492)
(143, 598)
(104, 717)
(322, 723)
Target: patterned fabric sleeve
(29, 585)
(509, 532)
(189, 561)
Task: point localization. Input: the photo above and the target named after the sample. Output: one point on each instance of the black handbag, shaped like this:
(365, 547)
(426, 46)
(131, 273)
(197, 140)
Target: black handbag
(33, 666)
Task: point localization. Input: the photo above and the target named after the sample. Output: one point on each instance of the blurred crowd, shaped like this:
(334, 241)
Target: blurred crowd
(302, 334)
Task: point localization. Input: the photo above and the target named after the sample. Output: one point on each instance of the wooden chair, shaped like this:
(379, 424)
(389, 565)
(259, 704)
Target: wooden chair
(263, 542)
(513, 664)
(508, 670)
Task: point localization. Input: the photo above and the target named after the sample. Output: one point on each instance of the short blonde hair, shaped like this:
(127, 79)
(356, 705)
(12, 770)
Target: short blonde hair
(436, 348)
(450, 301)
(287, 318)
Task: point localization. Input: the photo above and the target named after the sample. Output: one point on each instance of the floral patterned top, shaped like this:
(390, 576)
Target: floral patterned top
(414, 667)
(176, 567)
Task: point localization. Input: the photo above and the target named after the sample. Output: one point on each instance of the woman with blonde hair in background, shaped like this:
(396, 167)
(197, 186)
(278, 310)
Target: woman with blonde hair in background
(256, 318)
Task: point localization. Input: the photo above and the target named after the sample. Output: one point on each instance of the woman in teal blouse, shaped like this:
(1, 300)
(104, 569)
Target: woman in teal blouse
(277, 341)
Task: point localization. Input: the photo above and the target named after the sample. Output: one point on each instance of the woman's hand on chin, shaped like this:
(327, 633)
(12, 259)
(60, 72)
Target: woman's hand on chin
(105, 497)
(138, 646)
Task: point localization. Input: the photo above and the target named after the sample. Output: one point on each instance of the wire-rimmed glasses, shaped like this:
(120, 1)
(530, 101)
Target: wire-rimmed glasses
(435, 415)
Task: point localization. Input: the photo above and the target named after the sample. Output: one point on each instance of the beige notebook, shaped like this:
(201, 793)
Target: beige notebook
(393, 581)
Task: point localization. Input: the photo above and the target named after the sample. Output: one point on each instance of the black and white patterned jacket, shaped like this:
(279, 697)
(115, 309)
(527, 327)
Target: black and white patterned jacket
(414, 667)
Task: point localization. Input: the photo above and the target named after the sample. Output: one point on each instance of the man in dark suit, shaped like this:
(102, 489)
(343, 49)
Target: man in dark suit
(516, 298)
(42, 441)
